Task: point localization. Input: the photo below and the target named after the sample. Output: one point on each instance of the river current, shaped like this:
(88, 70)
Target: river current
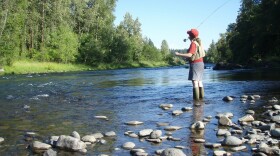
(60, 103)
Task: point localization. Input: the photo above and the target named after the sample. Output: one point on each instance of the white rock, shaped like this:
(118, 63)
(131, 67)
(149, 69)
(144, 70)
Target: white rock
(145, 132)
(172, 152)
(128, 145)
(177, 112)
(246, 118)
(134, 123)
(101, 117)
(75, 135)
(172, 128)
(110, 134)
(1, 139)
(40, 146)
(89, 138)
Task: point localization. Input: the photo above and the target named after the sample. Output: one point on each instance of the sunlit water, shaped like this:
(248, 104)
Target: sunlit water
(65, 102)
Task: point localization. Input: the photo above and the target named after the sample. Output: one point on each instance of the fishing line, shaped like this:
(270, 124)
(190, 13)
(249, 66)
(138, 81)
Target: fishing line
(213, 13)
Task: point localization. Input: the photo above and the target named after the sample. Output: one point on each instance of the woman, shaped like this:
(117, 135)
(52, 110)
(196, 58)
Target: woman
(196, 66)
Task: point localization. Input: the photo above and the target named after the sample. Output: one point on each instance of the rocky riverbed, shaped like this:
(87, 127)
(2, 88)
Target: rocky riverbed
(258, 133)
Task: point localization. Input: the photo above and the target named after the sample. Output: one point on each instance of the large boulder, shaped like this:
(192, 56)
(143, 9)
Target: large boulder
(172, 152)
(70, 143)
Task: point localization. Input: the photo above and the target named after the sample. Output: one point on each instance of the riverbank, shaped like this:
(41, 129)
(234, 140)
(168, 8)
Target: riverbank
(31, 67)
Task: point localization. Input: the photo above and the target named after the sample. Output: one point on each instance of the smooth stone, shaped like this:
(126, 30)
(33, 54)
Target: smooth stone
(199, 140)
(227, 114)
(177, 112)
(75, 135)
(166, 106)
(220, 153)
(238, 148)
(68, 142)
(277, 107)
(37, 145)
(172, 128)
(232, 141)
(101, 117)
(1, 139)
(128, 145)
(250, 112)
(134, 123)
(110, 134)
(156, 134)
(154, 140)
(223, 132)
(172, 152)
(225, 121)
(186, 109)
(198, 125)
(212, 145)
(89, 138)
(227, 98)
(246, 118)
(275, 132)
(50, 152)
(97, 135)
(145, 132)
(163, 124)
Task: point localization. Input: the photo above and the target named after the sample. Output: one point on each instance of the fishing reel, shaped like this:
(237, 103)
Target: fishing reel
(185, 40)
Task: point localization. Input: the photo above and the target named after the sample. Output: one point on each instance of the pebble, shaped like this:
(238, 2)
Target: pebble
(134, 123)
(128, 145)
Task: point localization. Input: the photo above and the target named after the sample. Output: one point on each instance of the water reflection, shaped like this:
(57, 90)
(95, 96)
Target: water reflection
(197, 149)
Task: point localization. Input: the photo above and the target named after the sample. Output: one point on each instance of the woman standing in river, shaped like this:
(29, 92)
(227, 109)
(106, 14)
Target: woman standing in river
(196, 66)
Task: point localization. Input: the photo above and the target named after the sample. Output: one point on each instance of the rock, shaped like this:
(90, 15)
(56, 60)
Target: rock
(172, 128)
(273, 100)
(186, 108)
(177, 112)
(128, 145)
(251, 97)
(238, 148)
(89, 138)
(199, 140)
(75, 135)
(256, 136)
(70, 143)
(275, 132)
(212, 145)
(50, 152)
(223, 132)
(156, 134)
(232, 141)
(276, 107)
(154, 140)
(134, 123)
(172, 152)
(97, 135)
(250, 112)
(110, 134)
(267, 127)
(227, 98)
(275, 118)
(246, 118)
(2, 70)
(101, 117)
(162, 124)
(198, 125)
(1, 139)
(36, 145)
(138, 152)
(53, 140)
(225, 121)
(227, 114)
(166, 106)
(220, 153)
(145, 132)
(226, 66)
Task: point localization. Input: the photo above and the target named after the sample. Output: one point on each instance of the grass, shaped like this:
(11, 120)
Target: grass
(27, 67)
(30, 67)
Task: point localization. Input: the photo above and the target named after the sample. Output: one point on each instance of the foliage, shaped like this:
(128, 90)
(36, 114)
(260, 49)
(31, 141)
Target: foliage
(73, 31)
(254, 37)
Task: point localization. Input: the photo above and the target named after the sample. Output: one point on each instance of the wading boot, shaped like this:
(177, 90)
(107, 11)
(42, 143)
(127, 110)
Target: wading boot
(201, 92)
(196, 93)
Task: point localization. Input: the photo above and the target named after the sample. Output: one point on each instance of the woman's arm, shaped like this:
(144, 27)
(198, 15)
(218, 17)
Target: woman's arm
(186, 55)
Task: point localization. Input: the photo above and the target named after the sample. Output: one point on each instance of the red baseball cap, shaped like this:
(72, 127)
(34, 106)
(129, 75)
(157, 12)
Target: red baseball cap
(193, 32)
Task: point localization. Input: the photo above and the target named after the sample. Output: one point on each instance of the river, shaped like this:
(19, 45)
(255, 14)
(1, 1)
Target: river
(60, 103)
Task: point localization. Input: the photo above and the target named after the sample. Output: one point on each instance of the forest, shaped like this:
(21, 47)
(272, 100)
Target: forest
(83, 32)
(254, 38)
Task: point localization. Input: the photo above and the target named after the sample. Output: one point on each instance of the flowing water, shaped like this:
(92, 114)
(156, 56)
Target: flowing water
(58, 104)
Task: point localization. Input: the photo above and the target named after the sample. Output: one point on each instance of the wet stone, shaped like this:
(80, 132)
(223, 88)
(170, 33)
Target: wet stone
(128, 145)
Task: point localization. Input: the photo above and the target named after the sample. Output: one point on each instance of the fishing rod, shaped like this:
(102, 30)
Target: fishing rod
(213, 13)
